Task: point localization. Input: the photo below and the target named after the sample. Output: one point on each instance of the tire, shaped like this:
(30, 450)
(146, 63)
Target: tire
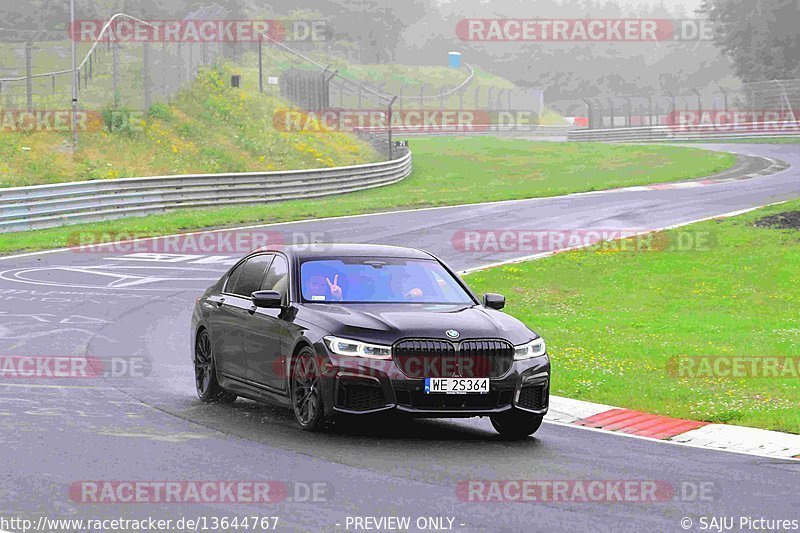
(516, 424)
(205, 372)
(306, 393)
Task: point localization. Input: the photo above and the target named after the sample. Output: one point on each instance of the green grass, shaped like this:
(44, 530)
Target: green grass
(447, 171)
(208, 128)
(614, 320)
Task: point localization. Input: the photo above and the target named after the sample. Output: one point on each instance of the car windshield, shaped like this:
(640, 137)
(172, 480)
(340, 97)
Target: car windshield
(380, 280)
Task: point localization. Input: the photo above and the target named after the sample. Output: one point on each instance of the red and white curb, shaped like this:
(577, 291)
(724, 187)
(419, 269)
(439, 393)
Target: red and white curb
(737, 439)
(775, 167)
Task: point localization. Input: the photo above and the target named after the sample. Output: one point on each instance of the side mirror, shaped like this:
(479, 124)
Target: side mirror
(494, 301)
(267, 299)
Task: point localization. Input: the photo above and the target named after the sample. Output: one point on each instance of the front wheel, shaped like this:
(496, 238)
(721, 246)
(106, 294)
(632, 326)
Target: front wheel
(516, 424)
(205, 373)
(306, 391)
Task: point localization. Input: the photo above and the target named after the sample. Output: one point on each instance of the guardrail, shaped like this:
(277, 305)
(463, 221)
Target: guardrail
(680, 132)
(43, 206)
(535, 130)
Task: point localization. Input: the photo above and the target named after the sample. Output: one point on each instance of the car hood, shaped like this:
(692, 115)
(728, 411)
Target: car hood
(387, 323)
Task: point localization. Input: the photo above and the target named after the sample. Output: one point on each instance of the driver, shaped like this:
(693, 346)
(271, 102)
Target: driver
(319, 287)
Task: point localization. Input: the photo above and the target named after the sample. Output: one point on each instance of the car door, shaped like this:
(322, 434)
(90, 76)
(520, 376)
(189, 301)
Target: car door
(225, 342)
(234, 313)
(265, 335)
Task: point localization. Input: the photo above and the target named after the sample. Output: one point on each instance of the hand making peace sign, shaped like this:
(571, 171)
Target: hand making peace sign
(336, 290)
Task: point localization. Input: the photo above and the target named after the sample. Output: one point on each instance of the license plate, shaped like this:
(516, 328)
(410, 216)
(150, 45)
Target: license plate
(456, 385)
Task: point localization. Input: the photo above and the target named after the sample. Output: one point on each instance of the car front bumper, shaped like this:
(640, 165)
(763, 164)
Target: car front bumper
(359, 386)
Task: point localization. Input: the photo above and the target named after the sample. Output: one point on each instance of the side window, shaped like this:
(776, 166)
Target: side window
(230, 283)
(252, 274)
(277, 278)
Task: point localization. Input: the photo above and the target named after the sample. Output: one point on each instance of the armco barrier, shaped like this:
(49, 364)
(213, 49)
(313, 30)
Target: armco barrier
(43, 206)
(704, 132)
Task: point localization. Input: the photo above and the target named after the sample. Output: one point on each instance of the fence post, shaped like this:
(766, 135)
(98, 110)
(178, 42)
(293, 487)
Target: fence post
(29, 73)
(402, 85)
(389, 117)
(613, 118)
(146, 61)
(699, 102)
(260, 64)
(590, 112)
(115, 72)
(630, 110)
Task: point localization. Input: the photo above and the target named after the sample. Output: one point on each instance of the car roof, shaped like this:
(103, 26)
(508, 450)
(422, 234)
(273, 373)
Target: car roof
(304, 251)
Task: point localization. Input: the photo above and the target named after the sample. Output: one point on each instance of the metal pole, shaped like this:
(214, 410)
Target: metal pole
(590, 112)
(699, 102)
(115, 72)
(29, 73)
(260, 64)
(74, 81)
(146, 61)
(389, 116)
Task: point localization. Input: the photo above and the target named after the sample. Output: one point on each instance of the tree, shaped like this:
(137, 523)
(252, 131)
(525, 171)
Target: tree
(760, 36)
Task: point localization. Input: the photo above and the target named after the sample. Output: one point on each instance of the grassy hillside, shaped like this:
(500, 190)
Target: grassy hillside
(209, 127)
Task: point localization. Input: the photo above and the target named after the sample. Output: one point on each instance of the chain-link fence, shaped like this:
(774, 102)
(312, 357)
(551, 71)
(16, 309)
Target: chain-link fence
(387, 110)
(37, 74)
(767, 101)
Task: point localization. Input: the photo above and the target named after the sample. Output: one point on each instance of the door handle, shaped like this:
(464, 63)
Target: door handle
(218, 301)
(252, 309)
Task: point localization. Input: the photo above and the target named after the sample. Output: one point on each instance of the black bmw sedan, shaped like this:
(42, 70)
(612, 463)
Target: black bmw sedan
(341, 329)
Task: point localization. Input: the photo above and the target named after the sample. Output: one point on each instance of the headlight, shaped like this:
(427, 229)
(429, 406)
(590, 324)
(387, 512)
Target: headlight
(535, 348)
(352, 348)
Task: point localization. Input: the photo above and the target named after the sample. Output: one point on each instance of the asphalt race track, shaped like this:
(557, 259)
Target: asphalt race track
(59, 432)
